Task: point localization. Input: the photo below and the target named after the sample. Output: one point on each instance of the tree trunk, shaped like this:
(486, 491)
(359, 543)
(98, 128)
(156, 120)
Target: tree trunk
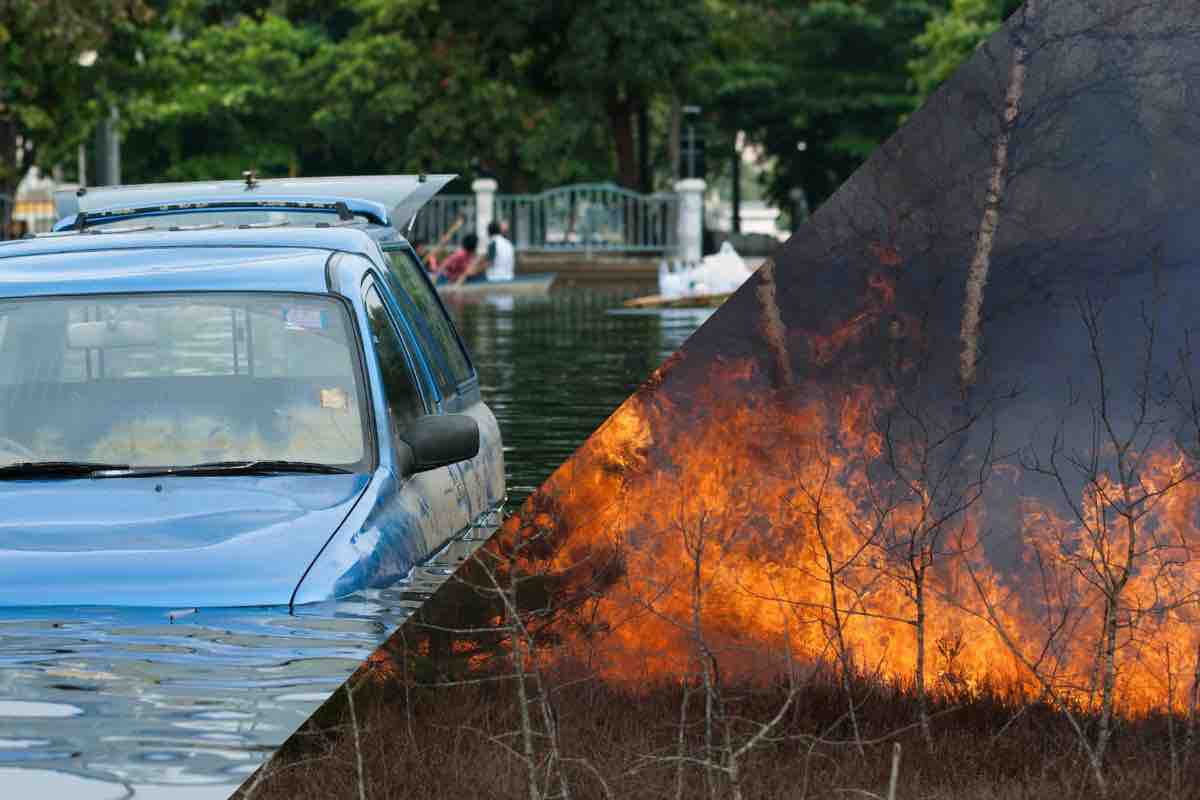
(839, 636)
(359, 768)
(10, 173)
(981, 262)
(1193, 703)
(513, 623)
(620, 120)
(675, 137)
(919, 676)
(645, 176)
(1108, 677)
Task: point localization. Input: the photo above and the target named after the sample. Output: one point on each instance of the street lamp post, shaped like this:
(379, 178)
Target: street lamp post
(105, 139)
(798, 196)
(735, 200)
(108, 150)
(691, 112)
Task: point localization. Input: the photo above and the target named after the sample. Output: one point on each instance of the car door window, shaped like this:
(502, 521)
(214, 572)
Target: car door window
(400, 391)
(432, 322)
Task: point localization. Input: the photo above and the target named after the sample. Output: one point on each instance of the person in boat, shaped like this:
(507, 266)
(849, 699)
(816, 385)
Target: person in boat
(500, 262)
(460, 266)
(430, 256)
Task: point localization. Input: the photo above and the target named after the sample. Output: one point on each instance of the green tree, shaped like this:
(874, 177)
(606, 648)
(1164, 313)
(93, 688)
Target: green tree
(620, 55)
(951, 36)
(222, 98)
(56, 58)
(366, 86)
(818, 84)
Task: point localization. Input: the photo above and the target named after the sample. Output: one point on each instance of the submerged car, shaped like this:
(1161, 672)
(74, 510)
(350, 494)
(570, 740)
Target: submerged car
(264, 406)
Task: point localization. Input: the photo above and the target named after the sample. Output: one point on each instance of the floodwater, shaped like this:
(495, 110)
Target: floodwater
(102, 703)
(553, 369)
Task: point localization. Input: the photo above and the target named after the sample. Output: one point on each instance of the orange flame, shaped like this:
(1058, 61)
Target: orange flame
(753, 526)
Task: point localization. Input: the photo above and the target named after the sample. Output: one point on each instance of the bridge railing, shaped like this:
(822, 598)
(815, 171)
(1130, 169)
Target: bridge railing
(452, 214)
(583, 218)
(591, 217)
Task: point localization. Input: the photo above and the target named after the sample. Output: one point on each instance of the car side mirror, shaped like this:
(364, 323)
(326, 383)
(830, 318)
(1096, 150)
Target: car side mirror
(437, 440)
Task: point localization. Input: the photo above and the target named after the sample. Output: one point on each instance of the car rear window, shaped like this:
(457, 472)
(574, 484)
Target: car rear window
(433, 323)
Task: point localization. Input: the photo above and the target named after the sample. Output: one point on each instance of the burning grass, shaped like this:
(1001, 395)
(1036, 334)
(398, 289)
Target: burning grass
(619, 741)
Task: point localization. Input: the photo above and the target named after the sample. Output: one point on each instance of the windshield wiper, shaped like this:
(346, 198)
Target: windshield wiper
(254, 467)
(56, 469)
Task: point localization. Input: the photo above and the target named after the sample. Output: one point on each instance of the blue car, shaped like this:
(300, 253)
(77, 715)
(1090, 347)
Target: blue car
(239, 393)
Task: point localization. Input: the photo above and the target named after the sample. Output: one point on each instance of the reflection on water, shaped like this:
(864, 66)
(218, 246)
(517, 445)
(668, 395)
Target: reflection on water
(104, 702)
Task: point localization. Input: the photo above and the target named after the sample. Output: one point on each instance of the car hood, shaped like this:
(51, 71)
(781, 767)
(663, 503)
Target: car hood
(167, 541)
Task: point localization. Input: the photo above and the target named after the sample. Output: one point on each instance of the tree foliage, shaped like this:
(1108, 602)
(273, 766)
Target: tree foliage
(535, 94)
(51, 91)
(950, 38)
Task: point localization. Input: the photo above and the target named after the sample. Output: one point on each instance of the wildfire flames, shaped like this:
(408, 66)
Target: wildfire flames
(760, 525)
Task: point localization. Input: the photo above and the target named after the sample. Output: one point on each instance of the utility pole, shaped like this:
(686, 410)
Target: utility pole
(108, 150)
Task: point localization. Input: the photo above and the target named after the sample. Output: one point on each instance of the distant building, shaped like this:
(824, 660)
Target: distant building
(34, 203)
(756, 217)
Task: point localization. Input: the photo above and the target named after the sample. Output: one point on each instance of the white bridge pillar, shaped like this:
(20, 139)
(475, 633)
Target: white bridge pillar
(691, 218)
(485, 206)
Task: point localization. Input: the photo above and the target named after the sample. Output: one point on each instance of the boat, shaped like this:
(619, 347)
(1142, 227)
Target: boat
(538, 283)
(708, 300)
(706, 284)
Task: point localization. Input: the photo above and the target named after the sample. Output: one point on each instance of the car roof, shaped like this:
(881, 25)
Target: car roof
(398, 197)
(276, 259)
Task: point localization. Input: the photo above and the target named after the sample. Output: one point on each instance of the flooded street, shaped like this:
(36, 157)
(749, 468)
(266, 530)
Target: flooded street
(553, 369)
(109, 703)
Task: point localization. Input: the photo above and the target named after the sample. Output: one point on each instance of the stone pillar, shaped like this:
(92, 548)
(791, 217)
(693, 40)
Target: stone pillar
(691, 218)
(485, 206)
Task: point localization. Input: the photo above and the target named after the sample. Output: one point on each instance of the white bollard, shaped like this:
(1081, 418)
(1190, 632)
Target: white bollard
(691, 222)
(485, 207)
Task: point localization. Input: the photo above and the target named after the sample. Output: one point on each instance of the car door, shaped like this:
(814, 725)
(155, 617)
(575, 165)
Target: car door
(440, 494)
(453, 374)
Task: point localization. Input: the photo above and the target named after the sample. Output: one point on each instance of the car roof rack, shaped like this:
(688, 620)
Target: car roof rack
(399, 197)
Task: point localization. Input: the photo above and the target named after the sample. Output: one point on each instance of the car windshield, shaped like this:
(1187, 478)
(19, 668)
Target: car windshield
(180, 379)
(225, 217)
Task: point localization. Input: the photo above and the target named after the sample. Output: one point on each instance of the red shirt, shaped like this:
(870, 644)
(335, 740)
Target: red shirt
(456, 264)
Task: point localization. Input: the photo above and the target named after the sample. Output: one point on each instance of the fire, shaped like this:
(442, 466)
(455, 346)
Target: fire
(763, 521)
(758, 521)
(753, 511)
(755, 522)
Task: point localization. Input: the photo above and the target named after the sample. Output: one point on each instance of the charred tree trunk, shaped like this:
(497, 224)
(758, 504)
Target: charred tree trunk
(772, 326)
(839, 632)
(1193, 704)
(919, 670)
(1108, 677)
